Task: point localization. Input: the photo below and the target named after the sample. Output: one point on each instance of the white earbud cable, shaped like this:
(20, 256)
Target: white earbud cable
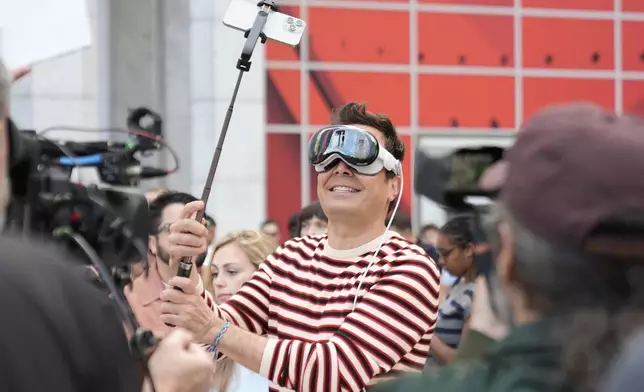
(382, 241)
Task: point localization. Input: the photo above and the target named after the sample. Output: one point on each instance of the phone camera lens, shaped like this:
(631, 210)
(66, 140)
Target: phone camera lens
(291, 27)
(289, 20)
(299, 23)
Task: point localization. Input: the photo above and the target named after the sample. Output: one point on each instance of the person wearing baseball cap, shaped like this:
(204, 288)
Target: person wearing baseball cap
(571, 256)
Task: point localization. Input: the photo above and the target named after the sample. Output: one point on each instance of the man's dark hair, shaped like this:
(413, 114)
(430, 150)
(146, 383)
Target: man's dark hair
(313, 210)
(161, 202)
(356, 113)
(294, 225)
(402, 221)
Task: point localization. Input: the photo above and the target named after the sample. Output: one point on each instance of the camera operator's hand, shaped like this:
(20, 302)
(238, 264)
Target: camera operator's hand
(178, 365)
(186, 309)
(188, 237)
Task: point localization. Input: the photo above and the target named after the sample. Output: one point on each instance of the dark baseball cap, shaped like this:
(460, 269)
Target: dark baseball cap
(572, 167)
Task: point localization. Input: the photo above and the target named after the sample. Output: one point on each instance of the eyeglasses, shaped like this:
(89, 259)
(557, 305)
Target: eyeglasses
(164, 227)
(444, 253)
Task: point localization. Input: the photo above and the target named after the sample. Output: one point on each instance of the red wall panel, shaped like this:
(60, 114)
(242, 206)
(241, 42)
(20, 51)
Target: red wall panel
(634, 97)
(283, 97)
(469, 2)
(382, 92)
(568, 43)
(599, 5)
(473, 39)
(541, 92)
(633, 5)
(633, 47)
(354, 35)
(283, 181)
(473, 101)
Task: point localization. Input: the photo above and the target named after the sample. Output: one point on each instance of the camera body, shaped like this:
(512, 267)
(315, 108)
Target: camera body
(452, 181)
(46, 204)
(114, 223)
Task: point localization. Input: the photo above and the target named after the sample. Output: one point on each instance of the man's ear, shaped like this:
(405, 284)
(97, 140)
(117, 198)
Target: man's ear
(152, 245)
(394, 186)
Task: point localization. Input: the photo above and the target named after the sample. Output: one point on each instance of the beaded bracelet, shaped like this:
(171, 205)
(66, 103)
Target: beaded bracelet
(220, 335)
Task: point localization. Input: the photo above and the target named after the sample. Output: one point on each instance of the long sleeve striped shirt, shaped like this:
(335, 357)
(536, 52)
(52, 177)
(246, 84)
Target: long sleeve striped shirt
(302, 297)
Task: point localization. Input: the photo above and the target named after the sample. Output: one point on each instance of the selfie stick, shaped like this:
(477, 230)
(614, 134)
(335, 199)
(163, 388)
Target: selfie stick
(243, 65)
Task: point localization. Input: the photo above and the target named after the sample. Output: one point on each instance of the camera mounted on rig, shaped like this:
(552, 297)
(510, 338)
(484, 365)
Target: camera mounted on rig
(46, 203)
(107, 228)
(453, 182)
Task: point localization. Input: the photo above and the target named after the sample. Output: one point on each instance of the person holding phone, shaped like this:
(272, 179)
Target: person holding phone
(335, 312)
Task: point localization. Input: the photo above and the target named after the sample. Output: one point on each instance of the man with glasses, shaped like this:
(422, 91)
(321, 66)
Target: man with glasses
(334, 312)
(143, 294)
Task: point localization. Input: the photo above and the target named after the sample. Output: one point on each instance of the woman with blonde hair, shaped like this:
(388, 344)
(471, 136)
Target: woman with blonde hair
(235, 258)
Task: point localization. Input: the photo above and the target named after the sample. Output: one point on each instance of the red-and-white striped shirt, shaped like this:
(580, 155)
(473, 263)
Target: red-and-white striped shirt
(301, 298)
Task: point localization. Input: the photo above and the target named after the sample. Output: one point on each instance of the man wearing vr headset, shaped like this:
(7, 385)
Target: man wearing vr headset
(335, 312)
(570, 260)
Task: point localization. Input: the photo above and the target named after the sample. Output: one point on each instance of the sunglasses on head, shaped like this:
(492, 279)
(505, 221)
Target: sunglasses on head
(359, 149)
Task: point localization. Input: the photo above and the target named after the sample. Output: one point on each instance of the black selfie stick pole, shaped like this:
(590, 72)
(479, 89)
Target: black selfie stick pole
(243, 65)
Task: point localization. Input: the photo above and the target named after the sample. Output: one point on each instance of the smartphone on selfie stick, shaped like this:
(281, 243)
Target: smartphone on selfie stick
(259, 21)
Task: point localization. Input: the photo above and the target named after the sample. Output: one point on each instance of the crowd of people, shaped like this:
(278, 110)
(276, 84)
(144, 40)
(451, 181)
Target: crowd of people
(231, 260)
(352, 299)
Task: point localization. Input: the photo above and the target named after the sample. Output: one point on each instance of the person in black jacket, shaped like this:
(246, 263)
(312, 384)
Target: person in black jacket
(60, 331)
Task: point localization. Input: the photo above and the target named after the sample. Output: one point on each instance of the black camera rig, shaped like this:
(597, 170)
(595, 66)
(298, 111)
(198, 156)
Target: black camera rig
(452, 181)
(44, 199)
(105, 227)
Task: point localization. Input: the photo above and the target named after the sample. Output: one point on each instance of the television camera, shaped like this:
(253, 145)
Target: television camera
(453, 182)
(45, 200)
(104, 226)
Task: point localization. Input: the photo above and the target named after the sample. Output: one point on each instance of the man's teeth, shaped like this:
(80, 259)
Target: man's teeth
(342, 189)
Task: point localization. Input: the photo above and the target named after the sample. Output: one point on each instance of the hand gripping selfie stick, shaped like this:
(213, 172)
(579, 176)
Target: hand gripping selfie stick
(243, 65)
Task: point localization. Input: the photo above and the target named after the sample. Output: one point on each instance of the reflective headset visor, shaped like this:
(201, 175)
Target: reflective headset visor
(358, 148)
